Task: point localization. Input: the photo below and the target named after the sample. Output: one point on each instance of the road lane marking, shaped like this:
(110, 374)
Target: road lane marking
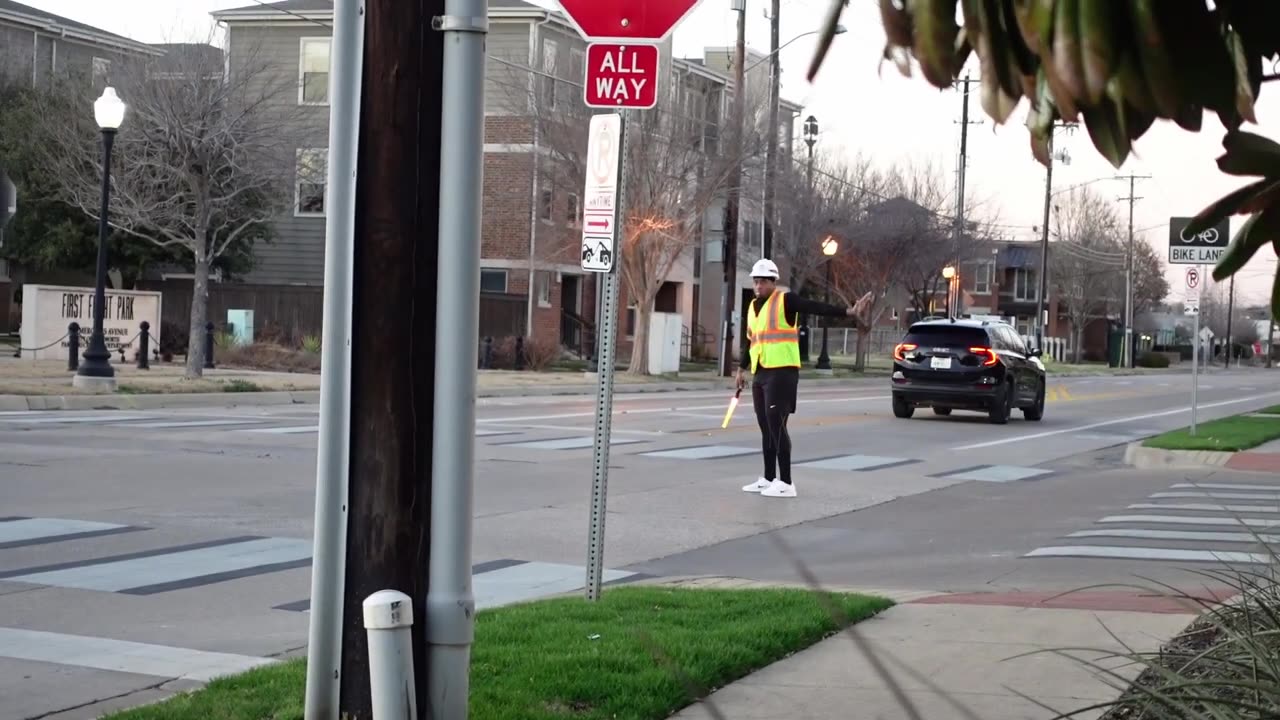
(1190, 520)
(702, 452)
(1106, 423)
(17, 532)
(851, 463)
(163, 571)
(1229, 486)
(1219, 495)
(122, 655)
(175, 424)
(564, 428)
(1145, 553)
(655, 411)
(573, 443)
(290, 430)
(101, 419)
(994, 473)
(1206, 507)
(1195, 535)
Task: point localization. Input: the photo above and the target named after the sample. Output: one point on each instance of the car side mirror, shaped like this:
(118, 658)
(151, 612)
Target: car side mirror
(1035, 352)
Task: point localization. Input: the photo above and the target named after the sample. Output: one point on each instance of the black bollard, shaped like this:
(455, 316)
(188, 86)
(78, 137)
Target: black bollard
(208, 345)
(519, 352)
(144, 342)
(73, 346)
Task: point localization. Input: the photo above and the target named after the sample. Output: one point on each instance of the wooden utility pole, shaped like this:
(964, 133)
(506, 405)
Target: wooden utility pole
(394, 321)
(732, 298)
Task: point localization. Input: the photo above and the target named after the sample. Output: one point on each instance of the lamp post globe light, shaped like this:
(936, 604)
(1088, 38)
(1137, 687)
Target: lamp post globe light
(949, 273)
(829, 248)
(96, 371)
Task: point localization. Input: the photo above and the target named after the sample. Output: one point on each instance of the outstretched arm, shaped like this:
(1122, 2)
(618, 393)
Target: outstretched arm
(859, 312)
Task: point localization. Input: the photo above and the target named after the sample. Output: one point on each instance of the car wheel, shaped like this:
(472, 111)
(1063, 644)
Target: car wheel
(1036, 412)
(1002, 405)
(943, 411)
(902, 408)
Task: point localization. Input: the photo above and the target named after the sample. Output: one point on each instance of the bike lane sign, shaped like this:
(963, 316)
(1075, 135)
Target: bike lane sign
(1205, 248)
(600, 194)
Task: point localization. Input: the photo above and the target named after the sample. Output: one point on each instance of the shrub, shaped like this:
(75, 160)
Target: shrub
(311, 344)
(269, 356)
(540, 353)
(174, 339)
(504, 353)
(1153, 360)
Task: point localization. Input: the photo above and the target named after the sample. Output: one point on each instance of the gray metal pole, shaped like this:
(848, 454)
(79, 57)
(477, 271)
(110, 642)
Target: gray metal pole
(450, 604)
(732, 298)
(604, 390)
(329, 556)
(1128, 350)
(771, 142)
(1195, 368)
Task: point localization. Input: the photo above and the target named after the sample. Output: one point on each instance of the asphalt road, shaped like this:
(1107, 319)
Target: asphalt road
(142, 551)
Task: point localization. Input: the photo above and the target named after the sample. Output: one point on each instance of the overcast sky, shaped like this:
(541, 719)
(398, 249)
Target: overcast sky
(872, 110)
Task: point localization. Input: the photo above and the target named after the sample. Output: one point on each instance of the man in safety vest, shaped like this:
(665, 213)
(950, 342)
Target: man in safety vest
(773, 357)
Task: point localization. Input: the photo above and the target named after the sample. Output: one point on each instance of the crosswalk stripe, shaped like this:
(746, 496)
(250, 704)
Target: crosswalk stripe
(172, 570)
(1145, 553)
(1194, 535)
(1190, 520)
(25, 530)
(1219, 495)
(1206, 507)
(122, 655)
(1227, 486)
(290, 430)
(59, 420)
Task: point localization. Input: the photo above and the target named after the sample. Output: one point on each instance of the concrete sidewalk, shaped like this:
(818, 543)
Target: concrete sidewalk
(957, 657)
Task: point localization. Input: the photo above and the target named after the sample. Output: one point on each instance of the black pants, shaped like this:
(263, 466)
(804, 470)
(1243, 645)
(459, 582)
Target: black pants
(773, 394)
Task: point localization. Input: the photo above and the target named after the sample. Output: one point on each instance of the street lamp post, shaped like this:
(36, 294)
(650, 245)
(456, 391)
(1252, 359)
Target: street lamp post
(810, 139)
(829, 248)
(96, 371)
(949, 273)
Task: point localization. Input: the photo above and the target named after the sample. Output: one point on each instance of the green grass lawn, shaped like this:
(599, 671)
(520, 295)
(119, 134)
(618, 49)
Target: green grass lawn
(1273, 410)
(640, 653)
(1229, 434)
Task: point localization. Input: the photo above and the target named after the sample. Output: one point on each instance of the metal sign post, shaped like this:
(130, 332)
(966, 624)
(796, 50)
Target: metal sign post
(606, 150)
(1195, 363)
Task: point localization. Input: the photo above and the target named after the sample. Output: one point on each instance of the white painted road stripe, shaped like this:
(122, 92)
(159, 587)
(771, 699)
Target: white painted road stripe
(122, 655)
(1229, 486)
(58, 420)
(1105, 423)
(162, 424)
(1190, 520)
(1193, 535)
(1205, 507)
(285, 430)
(1142, 553)
(173, 567)
(35, 528)
(669, 409)
(1219, 495)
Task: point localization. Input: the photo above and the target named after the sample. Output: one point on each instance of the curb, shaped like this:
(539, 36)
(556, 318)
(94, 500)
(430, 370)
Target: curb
(1146, 458)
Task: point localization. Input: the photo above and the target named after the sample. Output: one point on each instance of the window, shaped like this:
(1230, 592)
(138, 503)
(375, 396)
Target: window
(982, 278)
(574, 213)
(549, 50)
(312, 171)
(542, 282)
(1024, 284)
(101, 72)
(1014, 340)
(544, 205)
(751, 236)
(493, 281)
(313, 72)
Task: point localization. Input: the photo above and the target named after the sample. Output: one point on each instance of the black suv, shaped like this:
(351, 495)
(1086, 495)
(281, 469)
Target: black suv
(967, 365)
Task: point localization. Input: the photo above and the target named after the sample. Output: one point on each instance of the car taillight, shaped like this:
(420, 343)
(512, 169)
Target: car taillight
(902, 349)
(988, 355)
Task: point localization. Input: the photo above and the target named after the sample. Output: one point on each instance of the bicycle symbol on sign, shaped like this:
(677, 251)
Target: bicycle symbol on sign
(1208, 237)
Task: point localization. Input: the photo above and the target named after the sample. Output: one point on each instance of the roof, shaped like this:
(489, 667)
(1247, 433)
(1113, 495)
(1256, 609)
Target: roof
(958, 322)
(326, 6)
(16, 11)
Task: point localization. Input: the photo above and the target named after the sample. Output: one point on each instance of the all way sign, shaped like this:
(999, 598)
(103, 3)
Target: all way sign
(621, 76)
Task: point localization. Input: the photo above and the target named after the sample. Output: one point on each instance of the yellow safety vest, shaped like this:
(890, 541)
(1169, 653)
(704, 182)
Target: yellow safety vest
(775, 343)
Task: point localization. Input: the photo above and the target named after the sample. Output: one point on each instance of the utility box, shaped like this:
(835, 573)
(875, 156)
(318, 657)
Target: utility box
(240, 323)
(665, 331)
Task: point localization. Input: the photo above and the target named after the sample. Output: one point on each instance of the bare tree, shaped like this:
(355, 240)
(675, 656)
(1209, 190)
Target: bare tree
(1088, 260)
(203, 159)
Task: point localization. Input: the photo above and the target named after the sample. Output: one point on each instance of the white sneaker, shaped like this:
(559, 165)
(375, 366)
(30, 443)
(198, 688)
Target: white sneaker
(780, 489)
(756, 486)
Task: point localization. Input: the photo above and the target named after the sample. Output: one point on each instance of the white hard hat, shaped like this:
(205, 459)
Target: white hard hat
(765, 268)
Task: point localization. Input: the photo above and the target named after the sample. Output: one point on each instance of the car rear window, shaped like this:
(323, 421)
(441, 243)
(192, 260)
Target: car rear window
(947, 337)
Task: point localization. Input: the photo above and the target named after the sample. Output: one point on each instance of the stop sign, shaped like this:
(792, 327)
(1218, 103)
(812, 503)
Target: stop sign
(621, 20)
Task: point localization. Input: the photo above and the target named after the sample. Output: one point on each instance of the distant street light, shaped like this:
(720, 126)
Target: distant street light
(952, 277)
(96, 370)
(829, 248)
